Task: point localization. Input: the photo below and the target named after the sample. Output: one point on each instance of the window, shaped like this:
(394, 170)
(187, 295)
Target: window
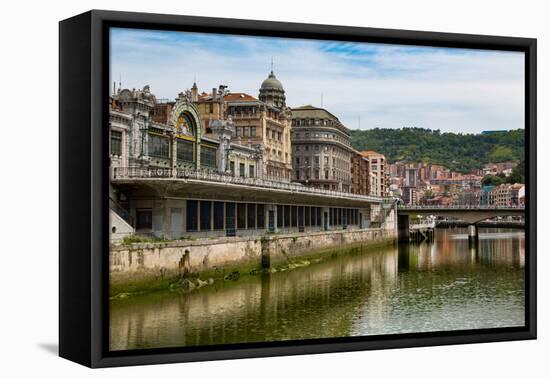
(245, 131)
(317, 160)
(159, 146)
(232, 167)
(218, 215)
(206, 215)
(251, 221)
(280, 216)
(300, 210)
(287, 216)
(184, 150)
(261, 216)
(297, 174)
(238, 130)
(208, 157)
(298, 161)
(191, 215)
(250, 171)
(294, 216)
(241, 215)
(318, 216)
(144, 219)
(241, 169)
(252, 131)
(116, 143)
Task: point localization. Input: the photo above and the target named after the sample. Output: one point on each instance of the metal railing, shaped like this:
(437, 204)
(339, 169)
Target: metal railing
(120, 211)
(459, 207)
(211, 175)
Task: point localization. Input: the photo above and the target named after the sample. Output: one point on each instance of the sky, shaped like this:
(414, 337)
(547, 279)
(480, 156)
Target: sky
(365, 85)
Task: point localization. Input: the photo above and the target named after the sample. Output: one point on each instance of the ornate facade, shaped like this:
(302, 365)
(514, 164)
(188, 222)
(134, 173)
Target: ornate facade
(322, 149)
(261, 123)
(179, 170)
(146, 133)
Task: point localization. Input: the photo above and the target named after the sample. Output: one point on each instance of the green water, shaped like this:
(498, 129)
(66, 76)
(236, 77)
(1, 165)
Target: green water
(446, 285)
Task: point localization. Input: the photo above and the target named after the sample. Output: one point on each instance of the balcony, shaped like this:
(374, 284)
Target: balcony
(129, 174)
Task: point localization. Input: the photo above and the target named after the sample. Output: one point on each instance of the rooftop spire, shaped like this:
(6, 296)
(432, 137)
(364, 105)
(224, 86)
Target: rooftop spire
(271, 64)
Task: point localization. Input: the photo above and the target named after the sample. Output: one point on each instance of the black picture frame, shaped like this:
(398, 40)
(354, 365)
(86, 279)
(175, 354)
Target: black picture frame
(83, 181)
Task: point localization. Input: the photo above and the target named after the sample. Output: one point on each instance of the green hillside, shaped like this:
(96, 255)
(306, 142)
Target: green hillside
(459, 152)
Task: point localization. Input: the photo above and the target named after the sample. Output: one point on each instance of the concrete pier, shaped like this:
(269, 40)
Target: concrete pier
(403, 228)
(473, 234)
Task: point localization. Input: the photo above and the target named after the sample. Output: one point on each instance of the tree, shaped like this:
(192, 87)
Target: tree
(492, 180)
(459, 152)
(518, 174)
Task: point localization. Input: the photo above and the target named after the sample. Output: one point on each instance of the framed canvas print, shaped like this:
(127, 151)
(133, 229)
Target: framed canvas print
(235, 188)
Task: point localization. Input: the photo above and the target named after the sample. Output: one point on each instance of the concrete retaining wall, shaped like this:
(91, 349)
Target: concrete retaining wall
(159, 261)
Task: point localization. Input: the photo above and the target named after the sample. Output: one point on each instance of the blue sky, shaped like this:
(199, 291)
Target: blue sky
(365, 85)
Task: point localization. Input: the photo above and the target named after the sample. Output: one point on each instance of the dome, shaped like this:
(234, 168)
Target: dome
(272, 82)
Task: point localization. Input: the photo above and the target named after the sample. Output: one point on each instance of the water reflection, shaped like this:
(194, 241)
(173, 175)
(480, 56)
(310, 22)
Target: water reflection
(410, 288)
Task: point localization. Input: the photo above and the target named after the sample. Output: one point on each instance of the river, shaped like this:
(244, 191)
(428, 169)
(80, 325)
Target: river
(445, 285)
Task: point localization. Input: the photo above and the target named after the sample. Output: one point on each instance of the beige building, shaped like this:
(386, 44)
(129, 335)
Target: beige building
(379, 175)
(507, 195)
(322, 149)
(263, 123)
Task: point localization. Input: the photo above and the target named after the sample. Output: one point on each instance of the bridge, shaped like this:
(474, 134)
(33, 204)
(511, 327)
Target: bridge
(469, 214)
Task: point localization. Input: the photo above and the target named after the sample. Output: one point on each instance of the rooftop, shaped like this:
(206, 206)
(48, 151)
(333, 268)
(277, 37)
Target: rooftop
(371, 153)
(310, 111)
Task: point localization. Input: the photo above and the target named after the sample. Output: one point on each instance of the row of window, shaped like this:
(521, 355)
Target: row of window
(159, 147)
(313, 121)
(274, 134)
(245, 131)
(216, 215)
(304, 174)
(242, 169)
(336, 163)
(307, 135)
(307, 216)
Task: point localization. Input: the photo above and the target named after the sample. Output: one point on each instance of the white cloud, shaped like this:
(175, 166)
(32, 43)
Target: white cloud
(386, 86)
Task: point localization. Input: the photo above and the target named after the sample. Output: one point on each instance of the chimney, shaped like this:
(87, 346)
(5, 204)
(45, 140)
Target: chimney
(214, 94)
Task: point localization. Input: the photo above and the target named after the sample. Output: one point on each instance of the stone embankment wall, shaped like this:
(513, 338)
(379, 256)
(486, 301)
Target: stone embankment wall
(136, 264)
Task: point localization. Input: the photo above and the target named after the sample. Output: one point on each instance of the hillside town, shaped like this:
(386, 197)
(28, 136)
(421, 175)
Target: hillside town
(419, 184)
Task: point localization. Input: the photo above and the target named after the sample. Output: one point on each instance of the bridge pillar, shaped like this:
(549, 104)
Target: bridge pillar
(403, 228)
(473, 233)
